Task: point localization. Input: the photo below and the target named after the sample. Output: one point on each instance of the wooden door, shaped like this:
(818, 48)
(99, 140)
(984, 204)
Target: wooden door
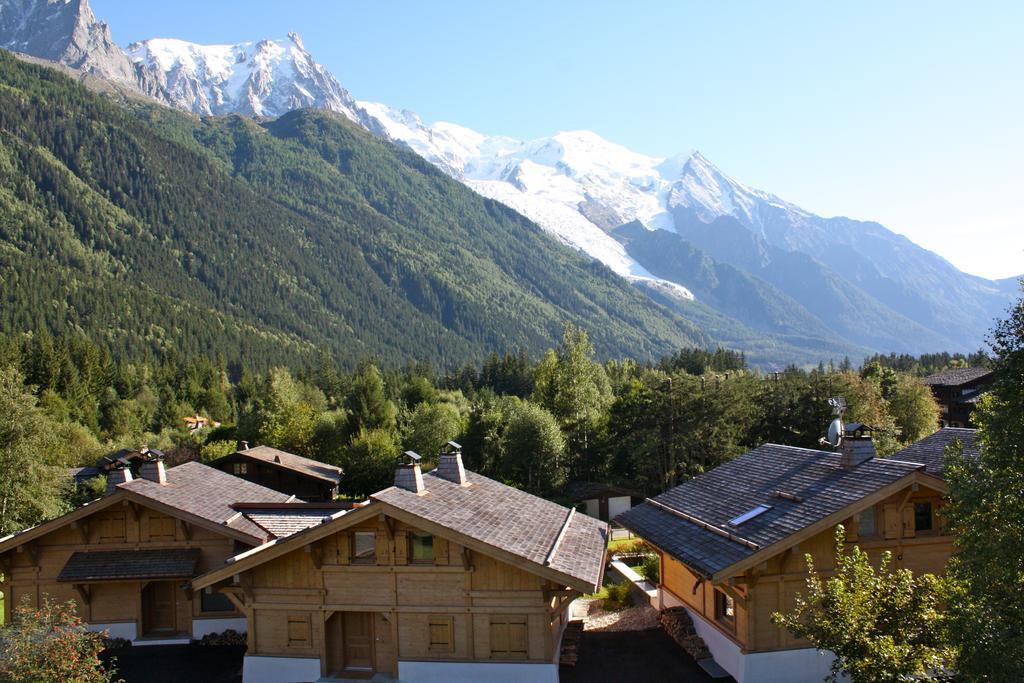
(357, 633)
(335, 645)
(158, 607)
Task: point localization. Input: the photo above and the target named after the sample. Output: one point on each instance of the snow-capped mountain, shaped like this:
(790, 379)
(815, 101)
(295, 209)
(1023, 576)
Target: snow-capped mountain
(265, 78)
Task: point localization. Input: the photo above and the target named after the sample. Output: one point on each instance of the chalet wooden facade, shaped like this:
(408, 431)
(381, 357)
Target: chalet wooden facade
(447, 576)
(126, 558)
(732, 541)
(957, 391)
(306, 479)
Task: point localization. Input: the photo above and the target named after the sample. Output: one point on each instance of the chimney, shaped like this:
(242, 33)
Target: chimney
(857, 446)
(408, 475)
(245, 446)
(153, 469)
(449, 464)
(117, 475)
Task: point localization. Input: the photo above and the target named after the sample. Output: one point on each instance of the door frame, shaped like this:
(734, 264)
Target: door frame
(144, 629)
(338, 641)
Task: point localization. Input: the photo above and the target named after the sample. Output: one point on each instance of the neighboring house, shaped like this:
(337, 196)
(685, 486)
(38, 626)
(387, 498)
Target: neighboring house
(197, 422)
(957, 391)
(126, 558)
(601, 501)
(295, 475)
(732, 541)
(445, 576)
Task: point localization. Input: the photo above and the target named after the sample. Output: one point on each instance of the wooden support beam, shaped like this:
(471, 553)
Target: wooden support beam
(32, 550)
(233, 596)
(733, 593)
(5, 565)
(132, 508)
(185, 528)
(83, 592)
(696, 585)
(389, 526)
(467, 559)
(315, 554)
(82, 525)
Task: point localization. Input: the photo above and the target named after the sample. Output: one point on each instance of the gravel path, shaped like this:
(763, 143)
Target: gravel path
(638, 618)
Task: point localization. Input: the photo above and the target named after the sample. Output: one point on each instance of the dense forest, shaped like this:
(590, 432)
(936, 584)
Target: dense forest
(535, 423)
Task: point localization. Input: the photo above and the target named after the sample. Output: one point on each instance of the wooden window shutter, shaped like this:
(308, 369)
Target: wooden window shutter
(499, 636)
(509, 637)
(892, 521)
(401, 547)
(908, 521)
(517, 641)
(442, 634)
(344, 541)
(440, 551)
(383, 547)
(299, 630)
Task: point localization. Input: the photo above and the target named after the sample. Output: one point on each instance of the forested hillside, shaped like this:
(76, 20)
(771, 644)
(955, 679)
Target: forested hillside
(150, 230)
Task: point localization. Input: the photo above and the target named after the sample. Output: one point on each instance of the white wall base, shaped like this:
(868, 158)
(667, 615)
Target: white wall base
(202, 627)
(805, 665)
(473, 672)
(124, 629)
(280, 669)
(149, 642)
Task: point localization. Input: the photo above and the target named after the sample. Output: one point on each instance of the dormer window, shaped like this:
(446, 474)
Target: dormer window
(749, 515)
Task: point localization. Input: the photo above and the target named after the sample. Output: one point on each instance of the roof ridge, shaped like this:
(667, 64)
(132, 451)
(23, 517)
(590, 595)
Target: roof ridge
(558, 539)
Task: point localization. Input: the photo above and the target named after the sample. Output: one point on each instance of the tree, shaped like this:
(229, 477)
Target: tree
(367, 403)
(51, 643)
(913, 408)
(431, 426)
(33, 464)
(533, 450)
(883, 625)
(369, 461)
(986, 515)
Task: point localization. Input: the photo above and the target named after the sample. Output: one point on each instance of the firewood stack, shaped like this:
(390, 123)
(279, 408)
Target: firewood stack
(571, 643)
(678, 624)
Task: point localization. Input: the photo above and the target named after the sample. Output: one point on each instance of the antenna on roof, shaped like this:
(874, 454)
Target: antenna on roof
(835, 428)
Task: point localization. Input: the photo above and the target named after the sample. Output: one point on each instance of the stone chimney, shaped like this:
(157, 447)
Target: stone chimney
(449, 464)
(408, 475)
(857, 446)
(117, 475)
(153, 469)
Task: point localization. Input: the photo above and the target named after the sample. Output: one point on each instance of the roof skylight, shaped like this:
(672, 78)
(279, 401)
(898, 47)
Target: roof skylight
(749, 515)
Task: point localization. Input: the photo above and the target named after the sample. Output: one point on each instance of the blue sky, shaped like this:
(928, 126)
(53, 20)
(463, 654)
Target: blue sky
(909, 113)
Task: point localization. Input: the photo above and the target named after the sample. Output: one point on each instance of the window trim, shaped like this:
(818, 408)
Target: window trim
(874, 520)
(722, 599)
(240, 468)
(931, 517)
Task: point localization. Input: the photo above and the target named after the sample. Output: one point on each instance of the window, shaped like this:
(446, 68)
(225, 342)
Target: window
(421, 547)
(866, 522)
(241, 468)
(298, 630)
(441, 634)
(922, 516)
(725, 609)
(508, 637)
(749, 515)
(364, 547)
(214, 601)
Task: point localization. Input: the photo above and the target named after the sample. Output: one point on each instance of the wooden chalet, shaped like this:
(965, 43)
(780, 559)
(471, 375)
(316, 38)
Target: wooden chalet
(445, 576)
(957, 392)
(304, 478)
(732, 541)
(126, 558)
(600, 500)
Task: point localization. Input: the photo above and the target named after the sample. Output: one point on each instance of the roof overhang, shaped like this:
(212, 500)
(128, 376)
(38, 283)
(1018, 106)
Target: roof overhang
(21, 537)
(106, 566)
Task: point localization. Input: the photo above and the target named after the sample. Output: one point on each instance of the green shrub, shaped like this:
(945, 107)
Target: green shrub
(50, 643)
(619, 596)
(650, 568)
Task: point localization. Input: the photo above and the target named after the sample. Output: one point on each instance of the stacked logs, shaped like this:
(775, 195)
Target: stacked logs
(571, 643)
(228, 638)
(678, 624)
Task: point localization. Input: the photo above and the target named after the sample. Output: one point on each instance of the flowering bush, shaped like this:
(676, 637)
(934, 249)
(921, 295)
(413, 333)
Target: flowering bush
(50, 643)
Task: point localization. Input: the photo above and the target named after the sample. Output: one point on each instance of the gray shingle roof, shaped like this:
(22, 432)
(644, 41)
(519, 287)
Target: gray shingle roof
(931, 450)
(208, 493)
(752, 479)
(511, 520)
(285, 522)
(114, 565)
(956, 376)
(290, 461)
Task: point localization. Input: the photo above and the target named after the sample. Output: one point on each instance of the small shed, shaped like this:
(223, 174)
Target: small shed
(600, 500)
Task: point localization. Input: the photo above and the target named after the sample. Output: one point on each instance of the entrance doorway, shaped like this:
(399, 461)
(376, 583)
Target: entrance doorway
(349, 643)
(158, 608)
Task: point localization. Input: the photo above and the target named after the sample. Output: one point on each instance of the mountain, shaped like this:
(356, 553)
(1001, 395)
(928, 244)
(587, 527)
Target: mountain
(864, 282)
(265, 78)
(64, 31)
(153, 230)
